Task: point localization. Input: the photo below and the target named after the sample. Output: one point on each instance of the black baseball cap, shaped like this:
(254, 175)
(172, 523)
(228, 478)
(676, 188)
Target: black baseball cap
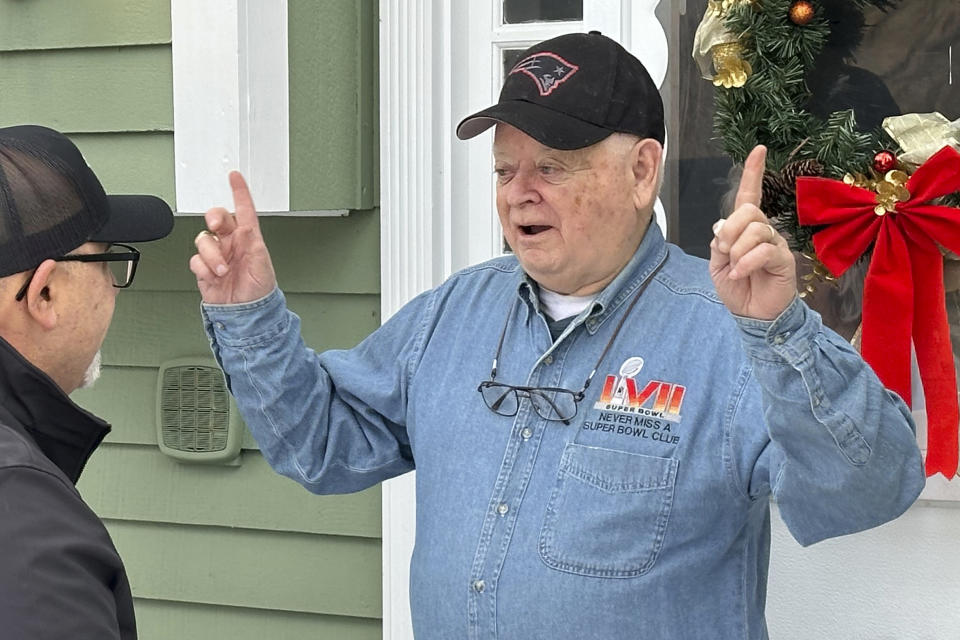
(51, 202)
(573, 91)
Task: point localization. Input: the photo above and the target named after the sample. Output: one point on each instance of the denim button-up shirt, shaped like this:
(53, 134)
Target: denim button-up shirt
(645, 517)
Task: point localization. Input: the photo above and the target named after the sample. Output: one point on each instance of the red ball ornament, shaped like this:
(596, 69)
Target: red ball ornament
(801, 12)
(884, 161)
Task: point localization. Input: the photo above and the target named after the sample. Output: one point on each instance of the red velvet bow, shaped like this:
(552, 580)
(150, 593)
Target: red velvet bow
(903, 294)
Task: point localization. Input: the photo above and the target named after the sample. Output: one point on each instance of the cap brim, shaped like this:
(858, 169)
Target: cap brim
(546, 126)
(135, 219)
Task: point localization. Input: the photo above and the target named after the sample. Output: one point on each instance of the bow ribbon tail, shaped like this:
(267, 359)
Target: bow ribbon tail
(931, 339)
(888, 298)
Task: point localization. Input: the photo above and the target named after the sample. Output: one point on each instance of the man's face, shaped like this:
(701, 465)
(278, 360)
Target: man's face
(89, 309)
(573, 218)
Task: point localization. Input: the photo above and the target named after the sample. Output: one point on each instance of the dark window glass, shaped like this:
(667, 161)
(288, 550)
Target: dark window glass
(510, 58)
(905, 60)
(517, 11)
(696, 162)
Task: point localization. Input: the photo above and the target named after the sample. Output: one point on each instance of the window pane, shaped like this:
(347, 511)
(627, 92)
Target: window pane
(696, 163)
(900, 62)
(516, 11)
(510, 58)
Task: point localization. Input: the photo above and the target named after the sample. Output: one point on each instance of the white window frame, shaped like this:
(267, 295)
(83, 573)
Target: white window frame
(437, 65)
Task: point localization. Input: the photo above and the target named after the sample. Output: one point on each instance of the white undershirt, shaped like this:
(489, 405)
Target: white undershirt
(559, 306)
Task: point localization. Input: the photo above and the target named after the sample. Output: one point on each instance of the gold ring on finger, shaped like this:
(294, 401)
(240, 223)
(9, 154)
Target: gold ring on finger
(206, 232)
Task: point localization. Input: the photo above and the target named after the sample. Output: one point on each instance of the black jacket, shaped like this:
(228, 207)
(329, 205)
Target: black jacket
(60, 575)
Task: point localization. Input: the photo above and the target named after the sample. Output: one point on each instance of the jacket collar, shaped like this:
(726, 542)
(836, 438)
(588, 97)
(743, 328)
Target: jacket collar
(648, 256)
(64, 432)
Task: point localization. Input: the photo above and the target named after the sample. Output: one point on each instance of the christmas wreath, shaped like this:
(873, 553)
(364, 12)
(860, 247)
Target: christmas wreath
(842, 196)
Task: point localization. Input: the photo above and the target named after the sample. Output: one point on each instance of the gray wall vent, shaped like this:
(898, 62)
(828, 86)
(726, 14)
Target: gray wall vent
(197, 419)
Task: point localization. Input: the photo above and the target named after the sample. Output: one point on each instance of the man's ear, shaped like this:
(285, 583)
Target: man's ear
(646, 158)
(40, 295)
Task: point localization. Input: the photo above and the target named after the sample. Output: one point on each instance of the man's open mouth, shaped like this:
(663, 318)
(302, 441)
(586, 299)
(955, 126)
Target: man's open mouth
(534, 229)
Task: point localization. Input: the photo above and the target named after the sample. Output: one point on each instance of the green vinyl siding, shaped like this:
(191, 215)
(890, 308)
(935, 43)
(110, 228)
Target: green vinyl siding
(188, 621)
(89, 90)
(135, 484)
(131, 162)
(312, 254)
(59, 24)
(231, 551)
(332, 167)
(307, 573)
(174, 318)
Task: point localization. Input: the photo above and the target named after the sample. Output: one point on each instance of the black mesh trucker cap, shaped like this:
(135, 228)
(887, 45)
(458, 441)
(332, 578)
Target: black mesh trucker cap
(51, 202)
(573, 91)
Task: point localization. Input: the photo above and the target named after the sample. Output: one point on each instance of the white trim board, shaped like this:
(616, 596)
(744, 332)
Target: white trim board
(230, 101)
(415, 214)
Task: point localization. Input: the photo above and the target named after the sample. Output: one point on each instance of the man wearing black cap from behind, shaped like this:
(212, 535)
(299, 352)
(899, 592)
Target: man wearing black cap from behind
(61, 266)
(598, 421)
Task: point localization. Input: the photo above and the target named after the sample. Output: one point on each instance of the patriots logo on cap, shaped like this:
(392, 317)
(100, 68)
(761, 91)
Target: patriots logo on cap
(547, 70)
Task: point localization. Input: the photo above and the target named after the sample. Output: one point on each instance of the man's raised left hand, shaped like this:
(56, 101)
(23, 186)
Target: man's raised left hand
(752, 267)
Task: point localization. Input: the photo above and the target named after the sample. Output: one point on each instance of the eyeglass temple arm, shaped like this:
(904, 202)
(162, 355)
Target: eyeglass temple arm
(556, 409)
(503, 333)
(623, 319)
(499, 401)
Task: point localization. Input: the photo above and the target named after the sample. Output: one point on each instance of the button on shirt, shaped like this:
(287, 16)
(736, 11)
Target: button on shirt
(646, 516)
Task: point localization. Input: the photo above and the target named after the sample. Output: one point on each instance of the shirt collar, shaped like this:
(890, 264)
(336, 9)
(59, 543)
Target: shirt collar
(648, 256)
(64, 432)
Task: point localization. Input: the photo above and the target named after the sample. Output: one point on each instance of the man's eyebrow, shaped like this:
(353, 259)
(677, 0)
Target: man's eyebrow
(577, 158)
(568, 157)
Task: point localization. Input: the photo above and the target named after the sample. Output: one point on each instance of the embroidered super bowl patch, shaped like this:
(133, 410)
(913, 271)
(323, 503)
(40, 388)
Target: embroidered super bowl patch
(625, 393)
(643, 410)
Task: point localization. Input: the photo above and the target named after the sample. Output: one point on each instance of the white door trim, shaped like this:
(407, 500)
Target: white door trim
(415, 138)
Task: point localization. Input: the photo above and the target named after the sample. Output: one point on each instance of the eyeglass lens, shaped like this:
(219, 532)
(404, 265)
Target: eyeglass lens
(121, 270)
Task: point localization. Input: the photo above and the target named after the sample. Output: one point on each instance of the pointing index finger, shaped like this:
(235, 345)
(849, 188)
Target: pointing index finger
(751, 183)
(245, 210)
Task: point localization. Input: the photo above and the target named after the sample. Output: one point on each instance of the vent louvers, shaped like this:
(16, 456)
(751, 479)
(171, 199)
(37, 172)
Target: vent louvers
(197, 420)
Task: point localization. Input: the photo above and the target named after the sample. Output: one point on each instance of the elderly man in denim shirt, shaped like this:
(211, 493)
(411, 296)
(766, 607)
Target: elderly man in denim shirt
(598, 421)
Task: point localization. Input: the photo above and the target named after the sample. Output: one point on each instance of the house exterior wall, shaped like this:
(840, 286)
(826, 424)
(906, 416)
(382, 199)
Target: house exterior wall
(217, 551)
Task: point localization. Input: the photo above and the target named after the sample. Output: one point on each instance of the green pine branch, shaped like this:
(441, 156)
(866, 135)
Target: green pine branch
(769, 108)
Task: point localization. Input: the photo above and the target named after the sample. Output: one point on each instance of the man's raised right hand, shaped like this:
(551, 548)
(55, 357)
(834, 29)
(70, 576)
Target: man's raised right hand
(232, 264)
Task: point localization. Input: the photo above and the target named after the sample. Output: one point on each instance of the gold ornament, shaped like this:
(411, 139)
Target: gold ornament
(818, 273)
(717, 50)
(890, 188)
(732, 69)
(802, 12)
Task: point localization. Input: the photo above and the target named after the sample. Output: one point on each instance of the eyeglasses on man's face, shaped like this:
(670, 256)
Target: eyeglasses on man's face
(120, 259)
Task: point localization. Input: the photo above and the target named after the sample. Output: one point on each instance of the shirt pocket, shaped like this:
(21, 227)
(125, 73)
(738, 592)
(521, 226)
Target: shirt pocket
(608, 513)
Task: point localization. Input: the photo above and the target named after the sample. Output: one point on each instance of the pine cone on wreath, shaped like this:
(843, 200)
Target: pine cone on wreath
(779, 201)
(797, 168)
